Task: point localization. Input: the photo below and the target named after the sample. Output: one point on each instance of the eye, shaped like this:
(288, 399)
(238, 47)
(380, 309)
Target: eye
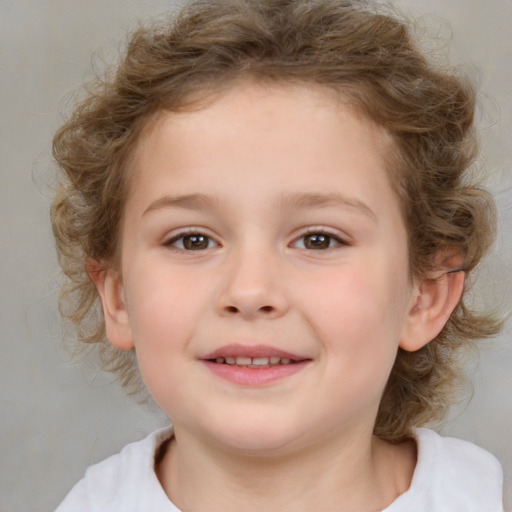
(318, 241)
(191, 242)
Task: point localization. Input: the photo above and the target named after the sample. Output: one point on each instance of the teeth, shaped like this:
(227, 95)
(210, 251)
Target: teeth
(260, 360)
(254, 362)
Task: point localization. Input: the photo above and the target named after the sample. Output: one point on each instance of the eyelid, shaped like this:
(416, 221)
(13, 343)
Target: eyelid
(177, 234)
(341, 238)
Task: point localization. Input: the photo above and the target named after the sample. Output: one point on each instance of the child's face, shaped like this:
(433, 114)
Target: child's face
(264, 225)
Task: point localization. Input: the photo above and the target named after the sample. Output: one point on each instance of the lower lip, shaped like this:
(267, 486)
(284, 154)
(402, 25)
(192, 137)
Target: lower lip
(254, 376)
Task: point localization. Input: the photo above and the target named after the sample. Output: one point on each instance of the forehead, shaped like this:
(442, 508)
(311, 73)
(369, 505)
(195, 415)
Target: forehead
(253, 132)
(253, 100)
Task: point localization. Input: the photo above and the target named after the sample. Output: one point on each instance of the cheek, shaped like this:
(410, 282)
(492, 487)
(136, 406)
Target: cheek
(162, 325)
(163, 311)
(358, 313)
(354, 318)
(161, 303)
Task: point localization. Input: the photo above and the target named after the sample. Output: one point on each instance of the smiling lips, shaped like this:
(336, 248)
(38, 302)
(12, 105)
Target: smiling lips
(254, 362)
(253, 365)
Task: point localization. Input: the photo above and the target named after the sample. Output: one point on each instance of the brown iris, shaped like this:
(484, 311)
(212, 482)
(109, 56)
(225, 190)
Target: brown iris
(317, 241)
(195, 242)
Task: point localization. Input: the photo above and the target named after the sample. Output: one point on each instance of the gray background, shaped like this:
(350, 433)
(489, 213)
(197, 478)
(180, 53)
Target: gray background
(57, 417)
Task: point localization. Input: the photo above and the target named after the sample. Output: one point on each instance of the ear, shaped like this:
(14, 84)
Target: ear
(110, 287)
(434, 299)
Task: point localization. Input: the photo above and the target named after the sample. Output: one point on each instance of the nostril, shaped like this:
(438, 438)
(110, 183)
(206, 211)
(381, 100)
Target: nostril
(249, 311)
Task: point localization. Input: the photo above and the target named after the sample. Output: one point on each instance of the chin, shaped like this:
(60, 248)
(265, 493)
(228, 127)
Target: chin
(260, 437)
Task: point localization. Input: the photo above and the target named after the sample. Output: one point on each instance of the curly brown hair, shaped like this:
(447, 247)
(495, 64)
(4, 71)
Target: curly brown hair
(353, 47)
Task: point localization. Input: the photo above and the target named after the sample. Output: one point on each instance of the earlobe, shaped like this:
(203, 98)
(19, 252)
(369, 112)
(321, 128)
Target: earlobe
(110, 288)
(434, 301)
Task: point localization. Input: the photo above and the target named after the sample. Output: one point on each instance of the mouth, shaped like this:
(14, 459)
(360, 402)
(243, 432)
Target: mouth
(258, 356)
(254, 365)
(254, 362)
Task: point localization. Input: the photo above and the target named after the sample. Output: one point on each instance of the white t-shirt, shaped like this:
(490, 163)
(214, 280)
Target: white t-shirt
(450, 476)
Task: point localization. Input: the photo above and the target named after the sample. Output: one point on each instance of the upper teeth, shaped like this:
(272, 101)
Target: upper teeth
(253, 361)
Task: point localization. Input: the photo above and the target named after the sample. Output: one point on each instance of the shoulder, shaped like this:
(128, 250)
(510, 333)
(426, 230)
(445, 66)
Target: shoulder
(458, 462)
(453, 475)
(126, 481)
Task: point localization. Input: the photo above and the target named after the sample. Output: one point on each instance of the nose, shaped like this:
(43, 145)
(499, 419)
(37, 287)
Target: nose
(253, 287)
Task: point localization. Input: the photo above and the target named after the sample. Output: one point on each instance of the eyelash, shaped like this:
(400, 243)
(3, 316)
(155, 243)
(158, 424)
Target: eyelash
(322, 233)
(189, 233)
(171, 243)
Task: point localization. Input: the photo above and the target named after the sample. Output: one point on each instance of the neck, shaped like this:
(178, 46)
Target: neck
(365, 474)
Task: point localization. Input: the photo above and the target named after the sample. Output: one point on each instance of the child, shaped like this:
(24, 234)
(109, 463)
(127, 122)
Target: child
(270, 201)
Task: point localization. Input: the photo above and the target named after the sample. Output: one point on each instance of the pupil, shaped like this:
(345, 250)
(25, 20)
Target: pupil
(194, 242)
(317, 241)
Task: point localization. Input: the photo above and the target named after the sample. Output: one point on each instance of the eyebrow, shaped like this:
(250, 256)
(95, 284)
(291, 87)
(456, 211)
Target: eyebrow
(286, 201)
(315, 200)
(188, 202)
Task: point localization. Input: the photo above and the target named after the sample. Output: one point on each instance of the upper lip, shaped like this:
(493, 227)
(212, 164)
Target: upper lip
(239, 350)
